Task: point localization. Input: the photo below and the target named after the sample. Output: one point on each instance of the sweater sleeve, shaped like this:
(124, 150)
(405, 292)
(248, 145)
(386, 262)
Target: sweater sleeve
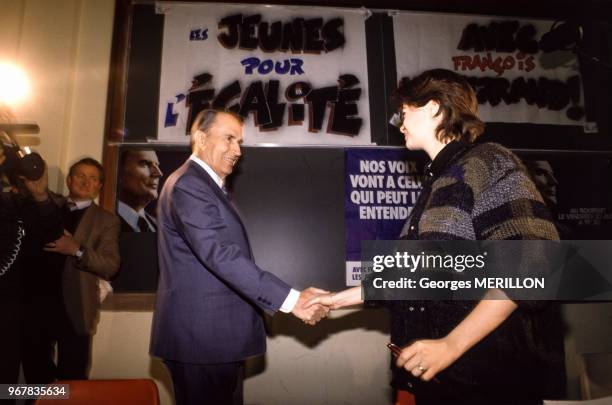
(507, 206)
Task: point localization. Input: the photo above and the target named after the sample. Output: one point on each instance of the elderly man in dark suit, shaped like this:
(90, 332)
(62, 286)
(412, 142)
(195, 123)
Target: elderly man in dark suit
(61, 284)
(211, 294)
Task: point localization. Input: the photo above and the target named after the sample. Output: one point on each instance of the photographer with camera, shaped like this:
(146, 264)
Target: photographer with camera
(28, 220)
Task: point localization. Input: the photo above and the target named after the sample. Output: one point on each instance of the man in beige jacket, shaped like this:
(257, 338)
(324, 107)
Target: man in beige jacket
(62, 294)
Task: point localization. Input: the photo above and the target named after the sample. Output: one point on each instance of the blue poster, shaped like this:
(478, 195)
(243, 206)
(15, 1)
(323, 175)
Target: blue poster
(381, 187)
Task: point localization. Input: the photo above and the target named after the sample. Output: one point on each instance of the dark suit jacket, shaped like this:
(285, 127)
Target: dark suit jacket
(211, 294)
(42, 223)
(125, 227)
(98, 232)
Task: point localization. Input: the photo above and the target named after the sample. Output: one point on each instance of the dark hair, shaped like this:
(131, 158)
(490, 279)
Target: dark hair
(457, 100)
(204, 120)
(90, 162)
(124, 155)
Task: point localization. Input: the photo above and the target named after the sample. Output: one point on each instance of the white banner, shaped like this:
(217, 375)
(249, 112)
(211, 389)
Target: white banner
(298, 74)
(514, 80)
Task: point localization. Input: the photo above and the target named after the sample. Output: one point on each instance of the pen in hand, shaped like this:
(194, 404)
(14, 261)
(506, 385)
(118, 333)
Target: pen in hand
(397, 351)
(394, 349)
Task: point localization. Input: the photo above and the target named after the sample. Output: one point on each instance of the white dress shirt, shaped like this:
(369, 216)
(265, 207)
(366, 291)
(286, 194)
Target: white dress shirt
(131, 216)
(78, 205)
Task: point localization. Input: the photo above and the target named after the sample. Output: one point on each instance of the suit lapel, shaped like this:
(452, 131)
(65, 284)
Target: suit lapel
(216, 189)
(86, 222)
(152, 221)
(222, 197)
(85, 226)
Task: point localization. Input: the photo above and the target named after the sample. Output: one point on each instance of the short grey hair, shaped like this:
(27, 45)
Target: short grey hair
(205, 120)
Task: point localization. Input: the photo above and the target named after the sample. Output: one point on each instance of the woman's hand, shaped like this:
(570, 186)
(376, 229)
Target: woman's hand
(424, 359)
(350, 296)
(326, 300)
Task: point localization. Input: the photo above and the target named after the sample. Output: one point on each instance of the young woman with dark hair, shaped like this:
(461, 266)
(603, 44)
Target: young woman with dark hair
(492, 351)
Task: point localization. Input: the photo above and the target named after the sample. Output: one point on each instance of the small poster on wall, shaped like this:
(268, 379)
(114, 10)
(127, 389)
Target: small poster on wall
(381, 187)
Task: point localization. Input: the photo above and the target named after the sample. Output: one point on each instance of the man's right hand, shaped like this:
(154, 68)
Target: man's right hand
(310, 314)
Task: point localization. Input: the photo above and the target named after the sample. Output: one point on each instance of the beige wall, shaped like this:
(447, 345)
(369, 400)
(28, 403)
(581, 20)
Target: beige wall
(342, 360)
(588, 330)
(64, 45)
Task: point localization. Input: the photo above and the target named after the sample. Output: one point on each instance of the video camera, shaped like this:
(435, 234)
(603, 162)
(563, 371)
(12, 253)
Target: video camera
(19, 162)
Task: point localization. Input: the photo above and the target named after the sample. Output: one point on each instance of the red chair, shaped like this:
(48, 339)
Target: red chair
(107, 392)
(404, 398)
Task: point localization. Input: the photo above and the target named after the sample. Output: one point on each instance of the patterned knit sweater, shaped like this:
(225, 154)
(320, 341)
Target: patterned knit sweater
(482, 192)
(477, 192)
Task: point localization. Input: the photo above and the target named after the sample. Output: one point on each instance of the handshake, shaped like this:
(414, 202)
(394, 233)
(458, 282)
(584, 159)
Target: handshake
(314, 304)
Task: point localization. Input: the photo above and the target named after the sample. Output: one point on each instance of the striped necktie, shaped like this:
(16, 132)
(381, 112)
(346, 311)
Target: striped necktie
(143, 225)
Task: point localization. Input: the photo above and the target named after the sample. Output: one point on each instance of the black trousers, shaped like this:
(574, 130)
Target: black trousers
(207, 384)
(10, 340)
(41, 333)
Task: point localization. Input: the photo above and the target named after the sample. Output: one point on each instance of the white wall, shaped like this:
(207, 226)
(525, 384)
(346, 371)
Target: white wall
(342, 360)
(64, 46)
(588, 330)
